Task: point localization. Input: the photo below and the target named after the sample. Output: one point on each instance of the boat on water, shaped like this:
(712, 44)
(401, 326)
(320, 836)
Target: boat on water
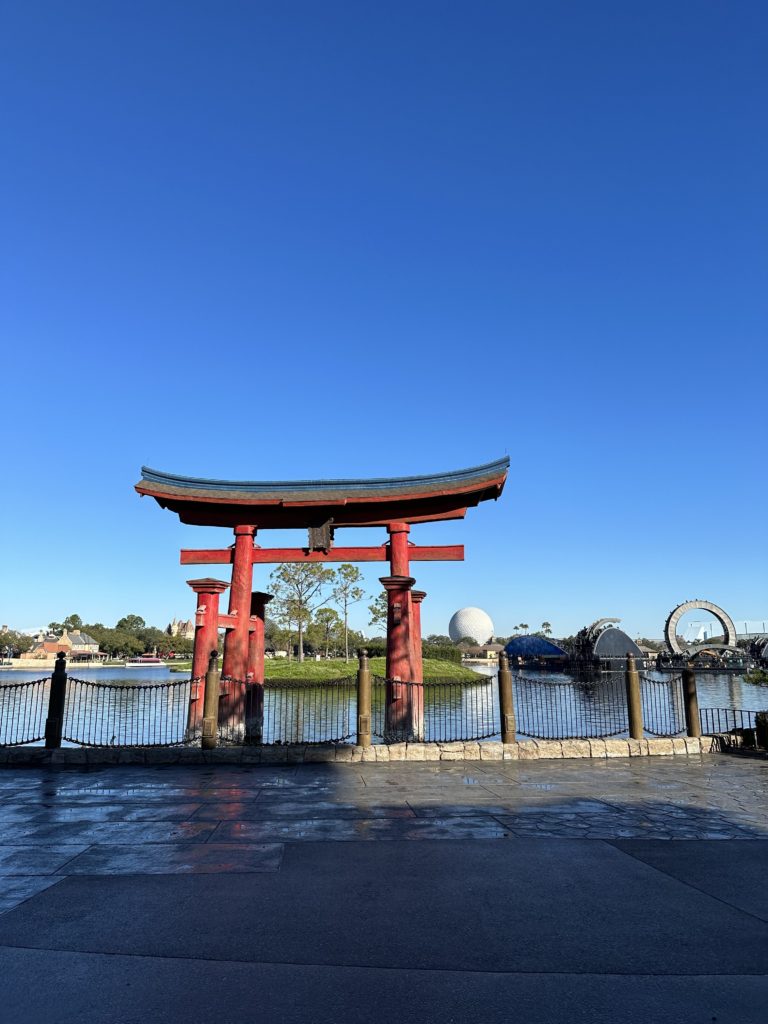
(146, 661)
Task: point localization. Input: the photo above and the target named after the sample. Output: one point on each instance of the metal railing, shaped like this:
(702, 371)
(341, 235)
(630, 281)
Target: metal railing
(721, 720)
(287, 711)
(23, 710)
(551, 709)
(125, 714)
(438, 710)
(366, 709)
(663, 707)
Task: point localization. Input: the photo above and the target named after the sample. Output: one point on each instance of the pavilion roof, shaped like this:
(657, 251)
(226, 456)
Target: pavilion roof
(297, 503)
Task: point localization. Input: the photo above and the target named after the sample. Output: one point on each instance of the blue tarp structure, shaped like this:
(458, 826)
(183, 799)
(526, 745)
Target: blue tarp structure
(533, 647)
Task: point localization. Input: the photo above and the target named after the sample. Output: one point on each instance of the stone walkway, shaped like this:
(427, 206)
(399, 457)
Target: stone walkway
(544, 883)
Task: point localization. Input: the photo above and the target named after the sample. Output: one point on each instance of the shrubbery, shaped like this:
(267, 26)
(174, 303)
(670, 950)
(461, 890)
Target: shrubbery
(439, 652)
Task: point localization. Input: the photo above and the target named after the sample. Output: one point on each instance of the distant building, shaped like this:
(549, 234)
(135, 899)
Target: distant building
(746, 629)
(482, 652)
(76, 645)
(184, 628)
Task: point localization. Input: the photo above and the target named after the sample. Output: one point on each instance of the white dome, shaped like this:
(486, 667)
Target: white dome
(472, 622)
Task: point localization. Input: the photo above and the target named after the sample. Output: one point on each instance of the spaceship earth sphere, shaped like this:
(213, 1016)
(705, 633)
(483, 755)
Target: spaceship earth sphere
(472, 622)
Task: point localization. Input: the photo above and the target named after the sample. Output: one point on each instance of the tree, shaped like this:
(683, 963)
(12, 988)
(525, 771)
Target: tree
(546, 628)
(299, 590)
(438, 639)
(131, 624)
(13, 644)
(347, 592)
(378, 610)
(523, 626)
(327, 626)
(71, 622)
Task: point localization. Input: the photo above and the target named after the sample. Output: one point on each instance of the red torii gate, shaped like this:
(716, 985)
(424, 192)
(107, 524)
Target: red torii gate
(321, 507)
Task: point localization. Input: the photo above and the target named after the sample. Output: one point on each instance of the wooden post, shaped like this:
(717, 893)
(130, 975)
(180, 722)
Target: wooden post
(417, 596)
(235, 661)
(54, 723)
(363, 700)
(634, 699)
(691, 703)
(206, 639)
(211, 703)
(236, 638)
(506, 701)
(399, 717)
(254, 694)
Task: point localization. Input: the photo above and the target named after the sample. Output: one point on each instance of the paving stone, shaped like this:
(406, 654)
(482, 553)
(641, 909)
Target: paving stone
(575, 748)
(616, 748)
(16, 889)
(107, 832)
(178, 858)
(414, 752)
(36, 860)
(490, 751)
(549, 749)
(660, 746)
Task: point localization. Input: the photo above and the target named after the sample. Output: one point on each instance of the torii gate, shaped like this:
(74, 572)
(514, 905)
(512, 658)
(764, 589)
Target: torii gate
(321, 507)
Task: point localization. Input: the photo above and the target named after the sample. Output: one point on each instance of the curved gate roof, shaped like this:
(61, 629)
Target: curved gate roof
(302, 503)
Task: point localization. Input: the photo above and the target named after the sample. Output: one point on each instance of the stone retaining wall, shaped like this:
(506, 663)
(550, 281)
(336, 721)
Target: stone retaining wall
(529, 750)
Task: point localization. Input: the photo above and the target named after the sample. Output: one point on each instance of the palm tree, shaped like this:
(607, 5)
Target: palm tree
(546, 628)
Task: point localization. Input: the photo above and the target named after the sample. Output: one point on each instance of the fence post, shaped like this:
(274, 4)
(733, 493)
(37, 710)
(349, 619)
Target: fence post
(211, 703)
(54, 723)
(691, 703)
(506, 700)
(634, 699)
(363, 699)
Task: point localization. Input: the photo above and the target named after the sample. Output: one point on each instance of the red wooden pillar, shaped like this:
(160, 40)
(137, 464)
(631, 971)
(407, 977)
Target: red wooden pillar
(235, 662)
(417, 596)
(259, 603)
(254, 711)
(206, 640)
(398, 701)
(417, 668)
(399, 562)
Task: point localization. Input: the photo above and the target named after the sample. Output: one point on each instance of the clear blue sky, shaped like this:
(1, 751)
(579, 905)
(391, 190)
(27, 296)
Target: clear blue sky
(279, 240)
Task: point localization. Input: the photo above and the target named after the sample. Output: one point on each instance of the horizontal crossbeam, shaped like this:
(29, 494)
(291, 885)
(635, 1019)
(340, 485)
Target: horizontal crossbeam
(269, 556)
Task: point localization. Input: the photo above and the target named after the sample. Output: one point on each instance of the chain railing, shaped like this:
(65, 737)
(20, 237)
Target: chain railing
(287, 711)
(663, 707)
(125, 714)
(284, 711)
(553, 709)
(438, 710)
(23, 710)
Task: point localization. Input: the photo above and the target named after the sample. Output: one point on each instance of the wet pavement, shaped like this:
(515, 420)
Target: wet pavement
(559, 887)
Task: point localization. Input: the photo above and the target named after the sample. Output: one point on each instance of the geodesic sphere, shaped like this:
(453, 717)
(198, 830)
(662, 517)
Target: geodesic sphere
(472, 622)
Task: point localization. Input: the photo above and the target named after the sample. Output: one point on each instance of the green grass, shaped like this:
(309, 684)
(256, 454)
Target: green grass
(337, 668)
(758, 676)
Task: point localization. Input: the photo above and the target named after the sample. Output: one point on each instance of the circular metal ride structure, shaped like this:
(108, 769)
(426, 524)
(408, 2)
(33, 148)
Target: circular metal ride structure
(670, 627)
